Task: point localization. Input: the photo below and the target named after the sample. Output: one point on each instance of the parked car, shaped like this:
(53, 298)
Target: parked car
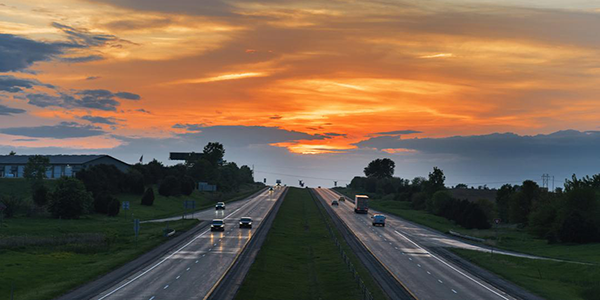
(246, 222)
(220, 205)
(335, 202)
(217, 225)
(378, 220)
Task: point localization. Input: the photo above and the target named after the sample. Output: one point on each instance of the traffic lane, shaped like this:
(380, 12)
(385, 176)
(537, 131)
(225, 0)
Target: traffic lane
(401, 255)
(210, 213)
(146, 282)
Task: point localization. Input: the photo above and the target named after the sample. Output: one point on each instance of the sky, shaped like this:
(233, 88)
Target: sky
(489, 91)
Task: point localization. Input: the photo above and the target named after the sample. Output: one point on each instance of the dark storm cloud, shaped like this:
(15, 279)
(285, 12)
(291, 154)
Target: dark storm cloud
(17, 53)
(100, 120)
(496, 146)
(62, 130)
(83, 38)
(7, 111)
(92, 99)
(13, 84)
(398, 132)
(332, 134)
(240, 136)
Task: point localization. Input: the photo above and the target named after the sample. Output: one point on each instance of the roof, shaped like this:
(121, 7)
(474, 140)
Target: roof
(54, 159)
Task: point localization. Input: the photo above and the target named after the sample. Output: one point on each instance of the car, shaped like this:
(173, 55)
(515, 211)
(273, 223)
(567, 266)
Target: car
(246, 222)
(378, 220)
(217, 225)
(335, 202)
(220, 205)
(342, 199)
(270, 189)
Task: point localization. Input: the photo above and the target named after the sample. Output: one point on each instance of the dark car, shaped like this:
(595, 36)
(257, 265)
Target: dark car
(246, 222)
(217, 225)
(335, 202)
(342, 199)
(220, 205)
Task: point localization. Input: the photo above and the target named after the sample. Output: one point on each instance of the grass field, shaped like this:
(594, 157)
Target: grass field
(549, 279)
(45, 257)
(299, 260)
(508, 238)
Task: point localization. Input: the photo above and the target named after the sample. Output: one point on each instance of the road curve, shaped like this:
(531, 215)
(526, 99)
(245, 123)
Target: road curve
(426, 275)
(192, 270)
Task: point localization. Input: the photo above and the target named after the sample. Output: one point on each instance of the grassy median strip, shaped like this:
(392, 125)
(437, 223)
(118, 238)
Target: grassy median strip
(299, 260)
(549, 279)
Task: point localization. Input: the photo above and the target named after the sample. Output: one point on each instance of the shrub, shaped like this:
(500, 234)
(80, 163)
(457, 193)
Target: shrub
(148, 198)
(102, 203)
(13, 205)
(170, 186)
(419, 200)
(575, 229)
(40, 195)
(135, 182)
(439, 202)
(187, 185)
(69, 200)
(114, 207)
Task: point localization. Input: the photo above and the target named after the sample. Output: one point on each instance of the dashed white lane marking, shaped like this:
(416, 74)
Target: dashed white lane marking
(454, 291)
(440, 281)
(428, 273)
(409, 258)
(453, 268)
(196, 261)
(203, 255)
(177, 277)
(152, 298)
(166, 286)
(419, 265)
(187, 269)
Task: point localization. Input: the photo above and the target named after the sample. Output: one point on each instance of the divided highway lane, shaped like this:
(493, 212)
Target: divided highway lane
(191, 271)
(424, 274)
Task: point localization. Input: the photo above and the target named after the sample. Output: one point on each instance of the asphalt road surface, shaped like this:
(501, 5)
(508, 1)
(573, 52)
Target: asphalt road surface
(401, 247)
(191, 271)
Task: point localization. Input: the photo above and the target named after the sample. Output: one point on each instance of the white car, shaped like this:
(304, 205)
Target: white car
(220, 205)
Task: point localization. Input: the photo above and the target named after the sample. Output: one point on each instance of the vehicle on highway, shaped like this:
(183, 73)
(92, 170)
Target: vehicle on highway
(378, 220)
(335, 202)
(270, 189)
(217, 225)
(220, 205)
(361, 204)
(246, 222)
(342, 199)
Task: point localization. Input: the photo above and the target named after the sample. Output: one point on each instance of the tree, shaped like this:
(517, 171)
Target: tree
(380, 168)
(439, 202)
(170, 186)
(12, 153)
(214, 153)
(187, 185)
(436, 180)
(135, 182)
(148, 198)
(69, 200)
(502, 200)
(114, 207)
(35, 169)
(576, 229)
(521, 203)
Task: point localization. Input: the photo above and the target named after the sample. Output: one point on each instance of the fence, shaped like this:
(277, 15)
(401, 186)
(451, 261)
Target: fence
(366, 294)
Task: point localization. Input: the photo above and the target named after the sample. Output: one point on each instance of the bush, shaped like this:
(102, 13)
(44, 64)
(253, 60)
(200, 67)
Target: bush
(102, 203)
(69, 200)
(135, 182)
(170, 186)
(419, 200)
(187, 185)
(148, 198)
(13, 205)
(576, 229)
(114, 207)
(439, 202)
(40, 195)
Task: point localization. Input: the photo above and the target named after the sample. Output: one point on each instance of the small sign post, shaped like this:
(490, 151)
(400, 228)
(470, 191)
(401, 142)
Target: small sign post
(189, 204)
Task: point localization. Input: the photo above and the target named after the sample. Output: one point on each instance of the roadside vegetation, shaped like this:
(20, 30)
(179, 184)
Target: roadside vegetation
(549, 279)
(58, 234)
(299, 260)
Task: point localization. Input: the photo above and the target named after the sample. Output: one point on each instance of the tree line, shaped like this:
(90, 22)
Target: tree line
(95, 189)
(567, 215)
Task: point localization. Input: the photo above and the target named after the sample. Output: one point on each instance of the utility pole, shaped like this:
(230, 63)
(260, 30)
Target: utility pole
(545, 179)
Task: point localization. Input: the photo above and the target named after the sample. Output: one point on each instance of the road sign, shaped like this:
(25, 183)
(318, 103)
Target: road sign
(497, 221)
(136, 227)
(125, 205)
(189, 204)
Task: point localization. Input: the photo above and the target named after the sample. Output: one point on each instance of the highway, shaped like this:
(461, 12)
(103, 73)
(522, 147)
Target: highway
(402, 248)
(193, 269)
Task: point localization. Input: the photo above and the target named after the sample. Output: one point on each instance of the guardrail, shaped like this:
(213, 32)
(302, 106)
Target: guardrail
(366, 294)
(468, 237)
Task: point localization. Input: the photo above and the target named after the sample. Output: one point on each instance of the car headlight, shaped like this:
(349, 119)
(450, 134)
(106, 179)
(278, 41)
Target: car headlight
(241, 223)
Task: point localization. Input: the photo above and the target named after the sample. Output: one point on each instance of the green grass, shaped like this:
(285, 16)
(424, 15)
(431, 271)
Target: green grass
(512, 239)
(45, 271)
(299, 260)
(172, 206)
(549, 279)
(20, 187)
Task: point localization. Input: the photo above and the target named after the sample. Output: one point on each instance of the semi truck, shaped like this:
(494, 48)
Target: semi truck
(361, 204)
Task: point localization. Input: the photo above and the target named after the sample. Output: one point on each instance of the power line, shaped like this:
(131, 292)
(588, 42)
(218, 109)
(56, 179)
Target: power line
(301, 176)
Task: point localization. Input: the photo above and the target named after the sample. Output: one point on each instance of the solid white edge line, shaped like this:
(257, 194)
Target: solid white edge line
(453, 268)
(168, 257)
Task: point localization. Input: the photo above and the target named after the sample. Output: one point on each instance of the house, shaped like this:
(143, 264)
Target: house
(13, 166)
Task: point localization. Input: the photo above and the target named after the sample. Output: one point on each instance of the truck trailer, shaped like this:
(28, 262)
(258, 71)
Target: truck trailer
(361, 204)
